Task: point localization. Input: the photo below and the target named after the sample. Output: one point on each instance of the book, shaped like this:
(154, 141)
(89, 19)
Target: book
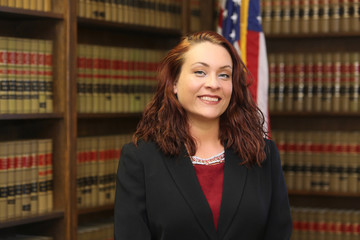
(26, 179)
(305, 15)
(285, 16)
(3, 180)
(26, 76)
(11, 180)
(294, 16)
(334, 16)
(34, 160)
(48, 72)
(289, 81)
(49, 174)
(34, 76)
(345, 82)
(42, 178)
(354, 82)
(11, 74)
(18, 68)
(314, 16)
(324, 16)
(4, 83)
(42, 78)
(299, 75)
(280, 82)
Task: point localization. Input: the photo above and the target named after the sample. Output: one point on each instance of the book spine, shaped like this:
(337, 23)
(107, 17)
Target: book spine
(334, 16)
(107, 80)
(81, 66)
(42, 195)
(294, 16)
(354, 81)
(336, 79)
(299, 75)
(114, 85)
(89, 80)
(19, 89)
(299, 160)
(345, 82)
(272, 81)
(305, 15)
(345, 15)
(102, 171)
(354, 164)
(285, 16)
(314, 16)
(11, 180)
(107, 10)
(354, 15)
(47, 6)
(34, 160)
(326, 99)
(26, 177)
(26, 77)
(324, 16)
(96, 79)
(87, 173)
(318, 80)
(280, 82)
(42, 76)
(18, 177)
(94, 160)
(114, 10)
(289, 82)
(49, 174)
(11, 3)
(11, 66)
(3, 180)
(79, 173)
(33, 4)
(120, 96)
(125, 79)
(4, 82)
(34, 76)
(48, 71)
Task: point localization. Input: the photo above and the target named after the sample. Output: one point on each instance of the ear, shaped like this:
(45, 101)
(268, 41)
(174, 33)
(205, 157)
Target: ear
(175, 88)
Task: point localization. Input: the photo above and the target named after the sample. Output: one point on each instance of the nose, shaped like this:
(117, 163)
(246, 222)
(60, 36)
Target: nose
(212, 81)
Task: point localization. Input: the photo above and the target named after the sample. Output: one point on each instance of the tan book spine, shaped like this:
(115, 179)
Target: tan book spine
(40, 5)
(3, 180)
(305, 16)
(318, 81)
(10, 179)
(49, 174)
(317, 164)
(334, 16)
(26, 175)
(345, 82)
(96, 80)
(299, 172)
(154, 13)
(285, 16)
(294, 16)
(345, 15)
(3, 2)
(335, 161)
(326, 99)
(4, 83)
(290, 160)
(118, 78)
(81, 84)
(126, 12)
(299, 75)
(354, 15)
(11, 3)
(169, 16)
(314, 16)
(26, 76)
(289, 82)
(126, 78)
(18, 177)
(147, 6)
(87, 173)
(280, 82)
(147, 88)
(336, 79)
(107, 80)
(94, 161)
(81, 8)
(26, 4)
(324, 16)
(354, 81)
(34, 76)
(89, 80)
(47, 5)
(11, 66)
(354, 164)
(102, 171)
(19, 82)
(42, 196)
(33, 4)
(42, 76)
(79, 173)
(48, 76)
(114, 86)
(308, 82)
(344, 162)
(308, 153)
(113, 10)
(325, 161)
(102, 79)
(131, 79)
(88, 8)
(34, 177)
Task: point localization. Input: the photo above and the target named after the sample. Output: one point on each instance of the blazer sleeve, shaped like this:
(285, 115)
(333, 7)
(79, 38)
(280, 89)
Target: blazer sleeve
(279, 223)
(130, 220)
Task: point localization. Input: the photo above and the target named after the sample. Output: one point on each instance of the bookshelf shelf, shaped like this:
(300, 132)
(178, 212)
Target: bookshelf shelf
(9, 12)
(32, 219)
(31, 116)
(82, 211)
(312, 35)
(316, 114)
(94, 23)
(108, 115)
(324, 194)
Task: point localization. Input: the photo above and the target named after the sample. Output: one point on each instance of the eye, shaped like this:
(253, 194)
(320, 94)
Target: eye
(224, 76)
(199, 73)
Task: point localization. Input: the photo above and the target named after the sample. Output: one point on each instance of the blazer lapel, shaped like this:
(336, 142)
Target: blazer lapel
(234, 181)
(184, 176)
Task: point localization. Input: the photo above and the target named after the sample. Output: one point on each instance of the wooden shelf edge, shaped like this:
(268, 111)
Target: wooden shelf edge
(312, 35)
(109, 115)
(323, 194)
(97, 209)
(9, 11)
(32, 219)
(314, 114)
(31, 116)
(88, 22)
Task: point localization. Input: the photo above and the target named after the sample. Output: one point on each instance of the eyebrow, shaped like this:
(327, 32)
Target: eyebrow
(207, 65)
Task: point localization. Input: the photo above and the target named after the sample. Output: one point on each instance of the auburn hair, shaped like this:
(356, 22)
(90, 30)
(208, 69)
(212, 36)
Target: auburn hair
(164, 120)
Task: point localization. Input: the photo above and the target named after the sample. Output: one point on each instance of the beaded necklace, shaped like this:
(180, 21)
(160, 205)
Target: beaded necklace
(219, 158)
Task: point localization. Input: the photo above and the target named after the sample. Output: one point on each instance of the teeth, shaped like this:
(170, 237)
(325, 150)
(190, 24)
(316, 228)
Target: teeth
(212, 99)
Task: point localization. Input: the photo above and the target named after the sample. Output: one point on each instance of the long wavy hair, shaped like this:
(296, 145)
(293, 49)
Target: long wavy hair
(165, 122)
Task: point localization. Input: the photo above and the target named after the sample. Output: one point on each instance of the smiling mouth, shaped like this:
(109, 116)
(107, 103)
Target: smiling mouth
(210, 99)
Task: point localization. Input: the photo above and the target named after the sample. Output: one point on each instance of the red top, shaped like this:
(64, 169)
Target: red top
(211, 178)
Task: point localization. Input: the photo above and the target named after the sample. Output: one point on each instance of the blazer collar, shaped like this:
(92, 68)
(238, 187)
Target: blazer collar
(184, 176)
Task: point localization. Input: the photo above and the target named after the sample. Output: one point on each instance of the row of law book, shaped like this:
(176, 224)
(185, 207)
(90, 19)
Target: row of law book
(101, 230)
(323, 161)
(115, 79)
(26, 75)
(308, 16)
(154, 13)
(97, 162)
(26, 178)
(37, 5)
(314, 82)
(325, 224)
(24, 237)
(195, 16)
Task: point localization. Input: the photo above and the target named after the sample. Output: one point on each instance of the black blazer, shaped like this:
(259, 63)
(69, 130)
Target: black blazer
(159, 197)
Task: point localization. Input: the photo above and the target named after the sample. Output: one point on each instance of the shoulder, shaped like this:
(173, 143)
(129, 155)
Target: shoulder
(272, 153)
(141, 150)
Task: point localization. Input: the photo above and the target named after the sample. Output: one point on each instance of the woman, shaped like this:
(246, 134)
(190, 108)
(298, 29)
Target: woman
(199, 166)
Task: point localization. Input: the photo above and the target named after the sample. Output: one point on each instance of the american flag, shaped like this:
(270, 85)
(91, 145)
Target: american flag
(240, 24)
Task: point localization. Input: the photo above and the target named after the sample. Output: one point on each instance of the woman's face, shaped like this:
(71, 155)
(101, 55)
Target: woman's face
(204, 86)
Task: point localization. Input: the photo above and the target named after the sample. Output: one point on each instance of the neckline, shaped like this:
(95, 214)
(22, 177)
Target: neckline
(216, 159)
